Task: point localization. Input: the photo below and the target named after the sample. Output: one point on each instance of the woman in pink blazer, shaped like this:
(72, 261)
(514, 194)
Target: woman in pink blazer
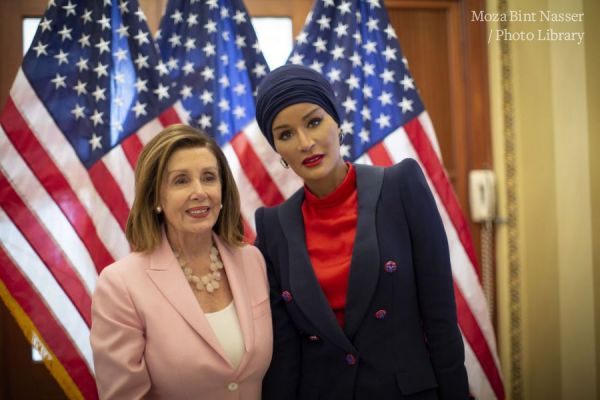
(186, 315)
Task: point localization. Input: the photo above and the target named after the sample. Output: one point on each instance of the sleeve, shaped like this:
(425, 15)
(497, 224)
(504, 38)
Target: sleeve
(435, 287)
(117, 339)
(282, 378)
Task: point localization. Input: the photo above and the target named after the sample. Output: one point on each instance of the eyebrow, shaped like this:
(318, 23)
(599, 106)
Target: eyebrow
(207, 169)
(304, 118)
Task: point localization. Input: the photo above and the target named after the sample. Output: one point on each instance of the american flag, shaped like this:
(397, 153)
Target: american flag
(210, 50)
(353, 44)
(87, 97)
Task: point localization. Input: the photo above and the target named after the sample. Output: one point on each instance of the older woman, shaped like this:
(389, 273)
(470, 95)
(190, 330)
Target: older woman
(358, 263)
(186, 314)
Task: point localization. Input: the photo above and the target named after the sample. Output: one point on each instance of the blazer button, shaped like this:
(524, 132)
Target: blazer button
(380, 314)
(313, 338)
(287, 296)
(390, 266)
(232, 387)
(350, 359)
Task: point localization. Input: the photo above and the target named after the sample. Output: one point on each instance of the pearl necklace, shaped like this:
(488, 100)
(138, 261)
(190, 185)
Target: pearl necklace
(210, 281)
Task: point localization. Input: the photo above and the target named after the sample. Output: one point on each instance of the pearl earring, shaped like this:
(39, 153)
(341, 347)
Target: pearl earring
(158, 209)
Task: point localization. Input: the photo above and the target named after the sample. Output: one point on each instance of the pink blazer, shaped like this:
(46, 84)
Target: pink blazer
(150, 338)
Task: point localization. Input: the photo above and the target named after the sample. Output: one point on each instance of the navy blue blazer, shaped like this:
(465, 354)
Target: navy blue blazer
(400, 339)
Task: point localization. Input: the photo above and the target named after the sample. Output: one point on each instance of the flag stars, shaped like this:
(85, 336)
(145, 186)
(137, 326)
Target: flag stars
(208, 73)
(123, 7)
(347, 127)
(385, 98)
(192, 20)
(70, 8)
(82, 64)
(317, 66)
(239, 17)
(389, 53)
(46, 25)
(161, 91)
(334, 75)
(296, 58)
(389, 31)
(62, 57)
(119, 78)
(224, 104)
(173, 63)
(104, 22)
(139, 109)
(140, 14)
(78, 111)
(302, 38)
(324, 22)
(101, 69)
(337, 52)
(374, 3)
(206, 97)
(224, 81)
(240, 65)
(209, 49)
(341, 30)
(349, 104)
(95, 142)
(103, 45)
(141, 37)
(259, 70)
(383, 121)
(190, 44)
(223, 128)
(212, 4)
(320, 45)
(239, 112)
(224, 12)
(366, 113)
(175, 40)
(372, 24)
(368, 69)
(185, 92)
(80, 88)
(344, 7)
(239, 89)
(356, 59)
(123, 31)
(121, 54)
(405, 105)
(141, 85)
(161, 68)
(40, 48)
(370, 47)
(240, 41)
(177, 17)
(141, 61)
(84, 40)
(188, 68)
(65, 33)
(387, 75)
(367, 91)
(204, 121)
(364, 136)
(210, 26)
(407, 83)
(99, 93)
(97, 118)
(353, 82)
(59, 81)
(225, 35)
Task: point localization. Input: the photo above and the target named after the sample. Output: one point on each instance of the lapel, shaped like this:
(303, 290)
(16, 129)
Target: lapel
(363, 277)
(304, 285)
(363, 274)
(233, 263)
(165, 272)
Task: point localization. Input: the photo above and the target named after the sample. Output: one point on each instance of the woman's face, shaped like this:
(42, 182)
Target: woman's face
(307, 138)
(190, 193)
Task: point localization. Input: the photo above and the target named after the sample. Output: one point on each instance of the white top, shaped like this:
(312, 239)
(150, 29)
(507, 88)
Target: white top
(226, 325)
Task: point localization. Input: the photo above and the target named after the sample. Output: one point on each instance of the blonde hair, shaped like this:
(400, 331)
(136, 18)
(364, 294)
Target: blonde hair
(144, 224)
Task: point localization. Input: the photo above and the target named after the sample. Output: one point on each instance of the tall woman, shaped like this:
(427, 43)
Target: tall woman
(358, 264)
(186, 315)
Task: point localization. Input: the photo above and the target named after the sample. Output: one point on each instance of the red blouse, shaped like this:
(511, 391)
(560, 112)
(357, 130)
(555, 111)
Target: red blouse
(330, 228)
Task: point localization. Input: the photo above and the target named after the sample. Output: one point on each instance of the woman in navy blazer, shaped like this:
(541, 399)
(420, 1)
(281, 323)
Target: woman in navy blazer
(358, 264)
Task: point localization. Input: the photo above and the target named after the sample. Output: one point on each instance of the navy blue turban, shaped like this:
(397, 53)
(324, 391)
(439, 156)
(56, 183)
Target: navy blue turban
(292, 84)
